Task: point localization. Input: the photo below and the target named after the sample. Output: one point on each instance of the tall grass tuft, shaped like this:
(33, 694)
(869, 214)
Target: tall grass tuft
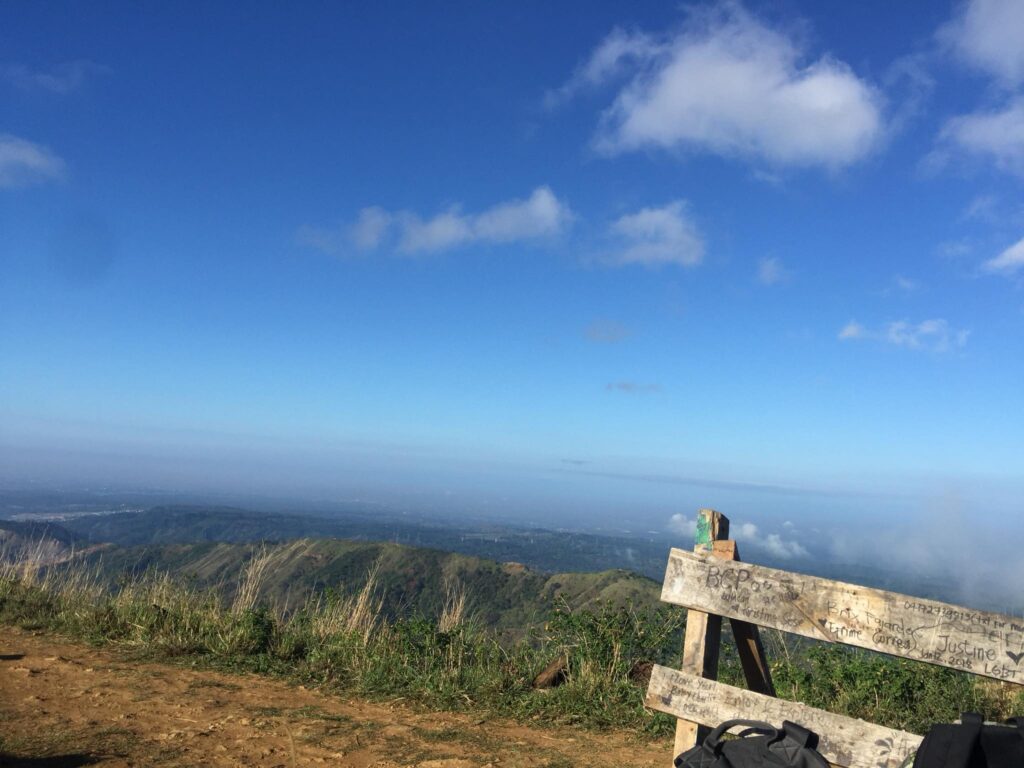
(453, 612)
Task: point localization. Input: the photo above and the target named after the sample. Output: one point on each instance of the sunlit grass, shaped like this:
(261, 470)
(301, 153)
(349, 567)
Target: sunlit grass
(342, 640)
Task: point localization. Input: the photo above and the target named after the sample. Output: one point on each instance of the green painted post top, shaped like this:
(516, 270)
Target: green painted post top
(711, 526)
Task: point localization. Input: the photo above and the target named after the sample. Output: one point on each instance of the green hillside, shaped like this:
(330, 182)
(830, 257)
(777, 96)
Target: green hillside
(544, 550)
(411, 580)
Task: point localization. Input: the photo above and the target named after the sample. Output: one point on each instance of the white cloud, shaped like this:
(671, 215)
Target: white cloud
(684, 524)
(995, 135)
(987, 34)
(23, 163)
(441, 232)
(655, 236)
(539, 216)
(981, 208)
(62, 79)
(933, 335)
(928, 334)
(852, 330)
(370, 228)
(954, 250)
(906, 284)
(744, 532)
(748, 533)
(785, 550)
(770, 271)
(1009, 261)
(609, 59)
(729, 85)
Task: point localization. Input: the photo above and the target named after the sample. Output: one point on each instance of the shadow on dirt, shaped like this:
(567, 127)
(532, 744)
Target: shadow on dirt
(55, 761)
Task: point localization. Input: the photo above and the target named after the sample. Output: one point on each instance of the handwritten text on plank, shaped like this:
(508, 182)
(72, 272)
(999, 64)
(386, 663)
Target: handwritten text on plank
(981, 642)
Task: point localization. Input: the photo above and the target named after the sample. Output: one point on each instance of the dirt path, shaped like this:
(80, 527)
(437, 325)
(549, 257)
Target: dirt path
(64, 704)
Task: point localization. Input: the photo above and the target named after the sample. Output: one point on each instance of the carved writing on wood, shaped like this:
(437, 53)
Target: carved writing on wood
(984, 643)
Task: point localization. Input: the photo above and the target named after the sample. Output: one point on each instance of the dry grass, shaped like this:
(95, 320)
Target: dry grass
(453, 613)
(251, 579)
(359, 614)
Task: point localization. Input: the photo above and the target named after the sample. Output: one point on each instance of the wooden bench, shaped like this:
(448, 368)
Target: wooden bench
(712, 583)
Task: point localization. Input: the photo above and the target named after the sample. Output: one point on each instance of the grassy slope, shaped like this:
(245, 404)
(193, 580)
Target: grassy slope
(455, 664)
(549, 551)
(412, 580)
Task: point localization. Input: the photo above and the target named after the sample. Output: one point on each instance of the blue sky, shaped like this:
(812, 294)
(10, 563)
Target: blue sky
(582, 257)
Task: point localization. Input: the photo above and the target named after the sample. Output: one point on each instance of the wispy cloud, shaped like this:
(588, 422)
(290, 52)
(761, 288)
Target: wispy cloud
(955, 250)
(1009, 262)
(23, 163)
(901, 284)
(770, 271)
(906, 284)
(773, 543)
(370, 228)
(685, 525)
(61, 79)
(610, 59)
(657, 236)
(852, 330)
(934, 335)
(606, 332)
(981, 208)
(987, 35)
(633, 388)
(727, 84)
(541, 215)
(996, 135)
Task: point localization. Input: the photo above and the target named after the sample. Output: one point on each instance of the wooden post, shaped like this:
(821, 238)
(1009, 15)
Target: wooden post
(703, 636)
(751, 651)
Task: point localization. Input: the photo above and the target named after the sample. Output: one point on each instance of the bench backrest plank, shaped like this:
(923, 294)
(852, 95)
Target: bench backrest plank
(842, 740)
(984, 643)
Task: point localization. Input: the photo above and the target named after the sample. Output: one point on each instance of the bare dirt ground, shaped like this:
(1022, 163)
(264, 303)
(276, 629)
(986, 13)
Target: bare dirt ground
(64, 704)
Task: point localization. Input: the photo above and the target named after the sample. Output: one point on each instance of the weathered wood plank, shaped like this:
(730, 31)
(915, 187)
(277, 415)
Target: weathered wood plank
(843, 740)
(987, 644)
(702, 640)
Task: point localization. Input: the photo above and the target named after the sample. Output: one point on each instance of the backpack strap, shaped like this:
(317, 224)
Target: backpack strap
(713, 743)
(802, 736)
(794, 743)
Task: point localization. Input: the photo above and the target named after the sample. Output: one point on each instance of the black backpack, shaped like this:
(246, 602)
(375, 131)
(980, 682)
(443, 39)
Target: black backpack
(973, 744)
(760, 746)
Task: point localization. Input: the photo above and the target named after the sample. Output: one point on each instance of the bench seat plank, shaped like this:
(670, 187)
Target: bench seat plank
(980, 642)
(843, 741)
